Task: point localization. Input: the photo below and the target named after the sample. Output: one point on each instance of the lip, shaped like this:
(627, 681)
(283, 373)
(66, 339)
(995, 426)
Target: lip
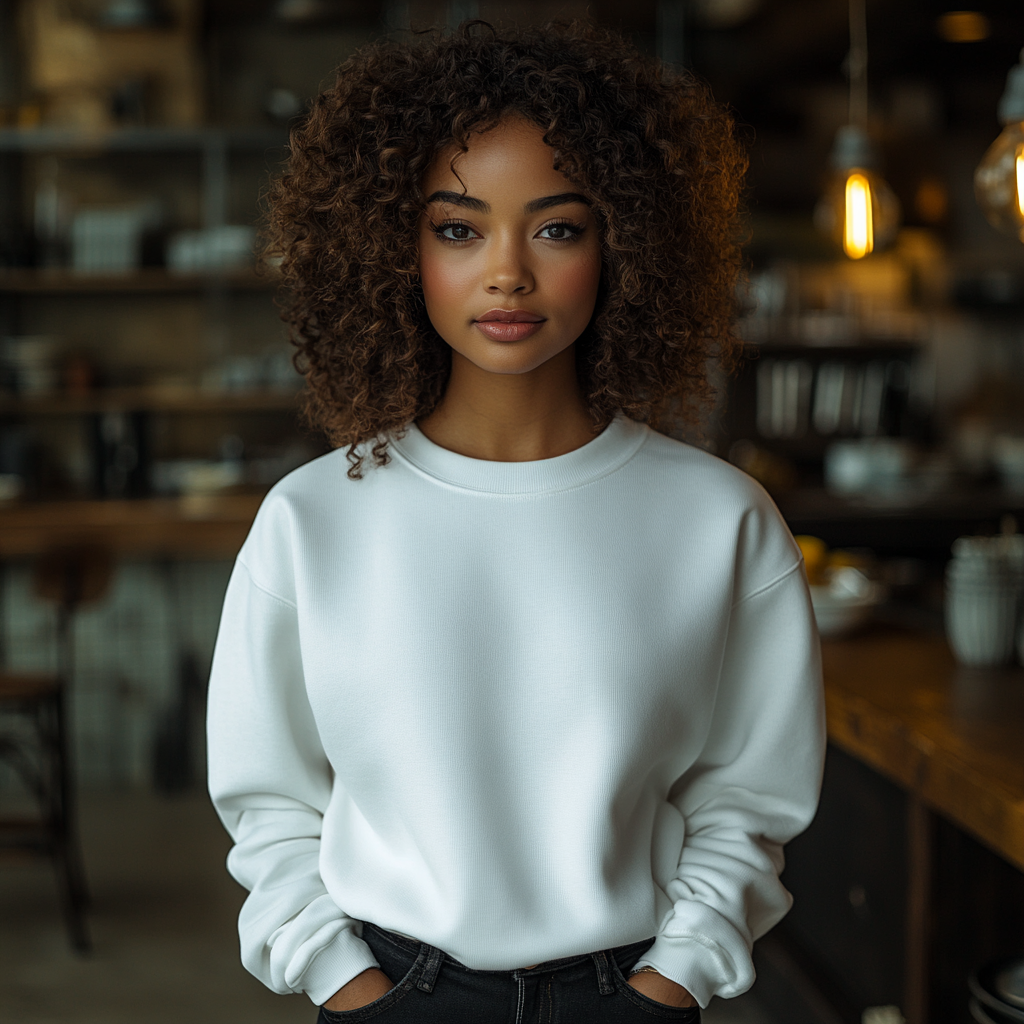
(509, 316)
(508, 324)
(508, 330)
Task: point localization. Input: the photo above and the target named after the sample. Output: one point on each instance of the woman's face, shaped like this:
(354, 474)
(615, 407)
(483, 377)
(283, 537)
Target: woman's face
(508, 252)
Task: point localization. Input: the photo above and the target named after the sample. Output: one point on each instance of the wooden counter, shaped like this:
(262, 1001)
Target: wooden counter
(192, 527)
(952, 737)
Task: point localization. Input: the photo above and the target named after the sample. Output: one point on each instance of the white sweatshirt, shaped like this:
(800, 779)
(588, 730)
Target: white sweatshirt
(517, 711)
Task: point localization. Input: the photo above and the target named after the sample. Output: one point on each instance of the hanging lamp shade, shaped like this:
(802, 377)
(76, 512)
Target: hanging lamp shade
(858, 209)
(999, 179)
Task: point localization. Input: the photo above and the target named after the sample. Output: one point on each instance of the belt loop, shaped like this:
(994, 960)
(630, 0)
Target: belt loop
(435, 957)
(605, 982)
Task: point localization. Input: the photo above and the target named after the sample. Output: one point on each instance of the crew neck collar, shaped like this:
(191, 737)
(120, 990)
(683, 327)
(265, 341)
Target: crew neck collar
(612, 448)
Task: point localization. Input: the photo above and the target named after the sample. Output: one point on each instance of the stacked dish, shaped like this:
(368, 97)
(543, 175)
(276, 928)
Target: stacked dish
(845, 602)
(997, 989)
(842, 594)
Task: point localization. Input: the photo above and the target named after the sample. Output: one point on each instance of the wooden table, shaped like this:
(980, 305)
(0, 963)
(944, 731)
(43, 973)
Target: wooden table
(192, 527)
(951, 737)
(161, 529)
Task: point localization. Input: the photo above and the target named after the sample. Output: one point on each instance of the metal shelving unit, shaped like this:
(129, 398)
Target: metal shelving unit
(214, 144)
(131, 409)
(150, 399)
(34, 281)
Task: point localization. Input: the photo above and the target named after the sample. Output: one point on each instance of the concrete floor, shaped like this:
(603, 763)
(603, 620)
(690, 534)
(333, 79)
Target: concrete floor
(162, 922)
(163, 925)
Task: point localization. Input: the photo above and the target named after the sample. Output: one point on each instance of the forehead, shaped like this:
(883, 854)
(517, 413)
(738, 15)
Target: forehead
(511, 158)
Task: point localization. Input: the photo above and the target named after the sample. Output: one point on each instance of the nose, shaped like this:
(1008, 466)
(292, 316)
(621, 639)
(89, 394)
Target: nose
(508, 271)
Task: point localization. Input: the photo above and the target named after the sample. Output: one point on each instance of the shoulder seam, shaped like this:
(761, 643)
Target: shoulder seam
(768, 586)
(264, 589)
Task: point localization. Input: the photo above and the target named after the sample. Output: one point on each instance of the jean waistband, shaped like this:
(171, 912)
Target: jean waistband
(413, 946)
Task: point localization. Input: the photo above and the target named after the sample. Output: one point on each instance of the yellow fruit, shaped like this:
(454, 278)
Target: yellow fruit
(815, 552)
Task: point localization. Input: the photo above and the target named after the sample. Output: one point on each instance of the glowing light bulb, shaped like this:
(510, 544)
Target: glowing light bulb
(858, 229)
(999, 182)
(858, 209)
(1020, 179)
(999, 179)
(964, 26)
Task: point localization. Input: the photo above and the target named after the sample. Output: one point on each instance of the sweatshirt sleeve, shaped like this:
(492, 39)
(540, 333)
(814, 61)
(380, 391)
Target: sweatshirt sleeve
(753, 788)
(270, 782)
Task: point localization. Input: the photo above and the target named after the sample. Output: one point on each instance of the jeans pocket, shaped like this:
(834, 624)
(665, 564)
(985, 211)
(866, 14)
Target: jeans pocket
(388, 1001)
(651, 1007)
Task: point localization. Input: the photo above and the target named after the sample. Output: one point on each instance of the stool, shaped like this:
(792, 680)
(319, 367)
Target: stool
(69, 576)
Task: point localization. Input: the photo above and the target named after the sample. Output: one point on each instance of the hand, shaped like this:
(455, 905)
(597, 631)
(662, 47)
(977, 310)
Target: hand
(659, 988)
(361, 990)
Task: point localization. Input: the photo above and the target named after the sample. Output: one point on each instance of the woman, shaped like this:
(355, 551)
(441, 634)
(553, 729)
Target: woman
(515, 700)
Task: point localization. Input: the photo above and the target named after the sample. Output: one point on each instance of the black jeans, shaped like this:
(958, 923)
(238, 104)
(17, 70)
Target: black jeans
(431, 987)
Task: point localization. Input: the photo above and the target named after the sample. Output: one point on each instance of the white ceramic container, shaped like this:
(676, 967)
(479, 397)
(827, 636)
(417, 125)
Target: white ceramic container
(982, 620)
(984, 591)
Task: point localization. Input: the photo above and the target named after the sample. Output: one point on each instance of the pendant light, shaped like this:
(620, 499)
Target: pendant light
(858, 209)
(999, 179)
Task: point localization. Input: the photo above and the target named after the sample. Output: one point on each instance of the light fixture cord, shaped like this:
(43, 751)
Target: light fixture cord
(857, 63)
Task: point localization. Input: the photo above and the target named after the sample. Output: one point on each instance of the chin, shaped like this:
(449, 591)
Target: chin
(509, 357)
(511, 365)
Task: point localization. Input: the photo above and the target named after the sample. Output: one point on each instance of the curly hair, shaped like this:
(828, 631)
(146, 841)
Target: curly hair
(654, 153)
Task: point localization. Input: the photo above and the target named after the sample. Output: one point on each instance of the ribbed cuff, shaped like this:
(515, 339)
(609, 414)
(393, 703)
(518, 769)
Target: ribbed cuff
(700, 966)
(336, 965)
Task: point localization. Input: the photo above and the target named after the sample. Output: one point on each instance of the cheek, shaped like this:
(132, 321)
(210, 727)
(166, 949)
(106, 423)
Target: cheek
(442, 281)
(576, 283)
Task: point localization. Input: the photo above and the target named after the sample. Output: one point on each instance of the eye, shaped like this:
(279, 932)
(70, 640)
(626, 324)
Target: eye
(454, 231)
(561, 231)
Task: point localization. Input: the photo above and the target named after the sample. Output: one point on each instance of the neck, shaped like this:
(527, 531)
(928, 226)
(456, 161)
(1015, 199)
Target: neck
(511, 417)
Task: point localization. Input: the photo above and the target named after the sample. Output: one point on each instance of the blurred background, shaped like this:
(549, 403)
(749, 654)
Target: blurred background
(147, 401)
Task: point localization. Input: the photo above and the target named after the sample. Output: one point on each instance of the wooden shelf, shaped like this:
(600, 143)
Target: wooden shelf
(860, 350)
(150, 399)
(150, 279)
(959, 499)
(201, 526)
(153, 140)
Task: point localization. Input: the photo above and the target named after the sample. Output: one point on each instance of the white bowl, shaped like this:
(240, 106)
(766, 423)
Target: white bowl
(846, 603)
(836, 618)
(11, 487)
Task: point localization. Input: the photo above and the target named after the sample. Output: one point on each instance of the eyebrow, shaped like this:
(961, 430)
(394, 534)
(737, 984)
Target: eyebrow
(533, 206)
